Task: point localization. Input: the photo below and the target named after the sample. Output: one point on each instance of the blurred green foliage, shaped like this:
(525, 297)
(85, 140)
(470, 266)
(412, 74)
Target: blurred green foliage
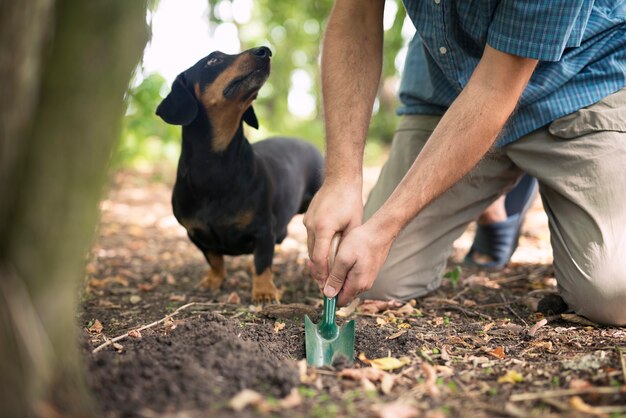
(293, 31)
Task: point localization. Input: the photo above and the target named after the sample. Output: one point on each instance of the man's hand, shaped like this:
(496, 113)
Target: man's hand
(360, 257)
(335, 208)
(463, 136)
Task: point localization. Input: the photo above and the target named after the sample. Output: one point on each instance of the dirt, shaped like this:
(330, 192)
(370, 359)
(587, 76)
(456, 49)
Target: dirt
(473, 348)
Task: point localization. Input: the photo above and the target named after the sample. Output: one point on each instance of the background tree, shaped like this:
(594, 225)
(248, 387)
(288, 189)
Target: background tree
(64, 68)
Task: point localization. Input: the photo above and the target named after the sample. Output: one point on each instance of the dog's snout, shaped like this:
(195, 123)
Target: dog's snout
(262, 52)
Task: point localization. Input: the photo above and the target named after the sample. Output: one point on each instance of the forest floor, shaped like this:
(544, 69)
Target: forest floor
(477, 347)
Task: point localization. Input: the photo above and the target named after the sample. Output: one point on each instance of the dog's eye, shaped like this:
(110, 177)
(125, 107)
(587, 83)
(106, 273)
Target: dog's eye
(213, 61)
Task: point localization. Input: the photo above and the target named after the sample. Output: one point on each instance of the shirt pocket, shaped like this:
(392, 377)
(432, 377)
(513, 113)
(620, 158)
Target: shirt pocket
(609, 114)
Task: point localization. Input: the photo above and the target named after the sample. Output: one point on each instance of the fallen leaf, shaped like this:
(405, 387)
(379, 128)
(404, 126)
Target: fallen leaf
(389, 363)
(134, 299)
(430, 379)
(346, 311)
(444, 353)
(579, 384)
(367, 385)
(511, 376)
(233, 299)
(577, 319)
(278, 326)
(533, 330)
(134, 333)
(369, 373)
(396, 334)
(395, 410)
(581, 406)
(404, 325)
(497, 352)
(245, 398)
(146, 287)
(96, 327)
(406, 309)
(178, 298)
(376, 306)
(290, 401)
(386, 384)
(381, 321)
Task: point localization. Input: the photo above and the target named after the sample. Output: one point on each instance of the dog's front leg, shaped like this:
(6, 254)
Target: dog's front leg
(215, 277)
(263, 288)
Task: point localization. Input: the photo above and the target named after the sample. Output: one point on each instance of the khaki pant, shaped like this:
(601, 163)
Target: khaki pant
(580, 163)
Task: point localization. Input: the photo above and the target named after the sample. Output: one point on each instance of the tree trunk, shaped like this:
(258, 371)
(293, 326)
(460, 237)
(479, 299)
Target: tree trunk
(64, 68)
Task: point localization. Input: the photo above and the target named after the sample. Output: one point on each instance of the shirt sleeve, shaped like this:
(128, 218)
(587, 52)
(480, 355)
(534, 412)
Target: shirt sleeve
(538, 29)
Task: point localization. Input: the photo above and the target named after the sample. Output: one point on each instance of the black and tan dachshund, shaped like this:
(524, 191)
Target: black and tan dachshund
(233, 197)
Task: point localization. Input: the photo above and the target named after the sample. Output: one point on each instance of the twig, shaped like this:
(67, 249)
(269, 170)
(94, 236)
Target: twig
(108, 342)
(603, 390)
(511, 309)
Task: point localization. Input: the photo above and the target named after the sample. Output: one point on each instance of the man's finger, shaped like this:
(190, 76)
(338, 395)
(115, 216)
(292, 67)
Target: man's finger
(337, 276)
(319, 257)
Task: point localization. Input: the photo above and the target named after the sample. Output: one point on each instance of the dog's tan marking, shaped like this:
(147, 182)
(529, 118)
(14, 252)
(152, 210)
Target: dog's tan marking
(216, 275)
(223, 114)
(263, 288)
(243, 219)
(191, 224)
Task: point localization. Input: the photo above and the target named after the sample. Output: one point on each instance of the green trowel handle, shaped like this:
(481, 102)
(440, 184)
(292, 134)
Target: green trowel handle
(327, 326)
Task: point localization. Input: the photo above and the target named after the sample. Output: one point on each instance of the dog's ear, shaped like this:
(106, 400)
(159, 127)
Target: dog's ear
(250, 118)
(180, 106)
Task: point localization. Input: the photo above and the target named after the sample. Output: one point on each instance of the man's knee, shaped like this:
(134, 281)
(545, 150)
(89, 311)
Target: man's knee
(601, 296)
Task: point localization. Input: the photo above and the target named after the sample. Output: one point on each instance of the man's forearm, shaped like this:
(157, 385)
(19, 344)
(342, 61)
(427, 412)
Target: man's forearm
(351, 67)
(463, 136)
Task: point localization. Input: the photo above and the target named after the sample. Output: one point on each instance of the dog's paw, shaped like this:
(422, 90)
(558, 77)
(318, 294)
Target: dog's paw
(265, 293)
(212, 281)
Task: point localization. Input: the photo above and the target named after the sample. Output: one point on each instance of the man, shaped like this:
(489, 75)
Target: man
(490, 90)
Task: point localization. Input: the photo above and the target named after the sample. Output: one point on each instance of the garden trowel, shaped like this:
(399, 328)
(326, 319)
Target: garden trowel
(327, 342)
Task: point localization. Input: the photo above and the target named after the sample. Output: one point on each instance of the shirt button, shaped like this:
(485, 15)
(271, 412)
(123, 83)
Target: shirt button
(437, 1)
(443, 50)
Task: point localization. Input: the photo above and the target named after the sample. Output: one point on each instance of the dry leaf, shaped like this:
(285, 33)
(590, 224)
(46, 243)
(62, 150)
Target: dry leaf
(404, 325)
(96, 327)
(497, 352)
(135, 333)
(407, 309)
(511, 376)
(386, 384)
(579, 384)
(178, 298)
(396, 334)
(535, 327)
(135, 299)
(346, 311)
(368, 386)
(369, 373)
(389, 363)
(430, 379)
(233, 299)
(278, 326)
(146, 287)
(577, 319)
(395, 410)
(381, 321)
(245, 398)
(290, 401)
(376, 306)
(581, 406)
(444, 353)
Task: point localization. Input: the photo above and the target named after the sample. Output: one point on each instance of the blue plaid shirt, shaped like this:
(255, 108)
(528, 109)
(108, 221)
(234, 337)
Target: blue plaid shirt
(581, 46)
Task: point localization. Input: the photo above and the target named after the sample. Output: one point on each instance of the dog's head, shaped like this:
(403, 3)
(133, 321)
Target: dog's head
(223, 87)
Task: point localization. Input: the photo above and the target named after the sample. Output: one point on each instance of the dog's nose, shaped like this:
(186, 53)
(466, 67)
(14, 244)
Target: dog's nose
(262, 52)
